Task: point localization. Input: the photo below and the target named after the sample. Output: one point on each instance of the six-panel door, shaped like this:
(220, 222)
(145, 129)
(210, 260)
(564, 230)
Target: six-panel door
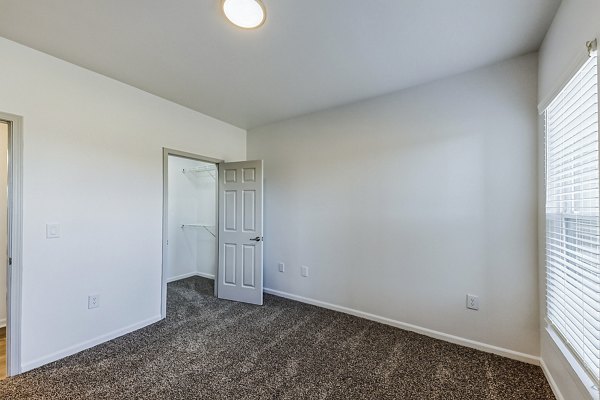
(240, 275)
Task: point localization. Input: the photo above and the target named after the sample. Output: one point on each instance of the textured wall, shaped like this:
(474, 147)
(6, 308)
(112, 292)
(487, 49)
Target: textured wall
(403, 204)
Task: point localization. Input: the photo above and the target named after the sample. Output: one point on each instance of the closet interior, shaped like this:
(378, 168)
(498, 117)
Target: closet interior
(192, 216)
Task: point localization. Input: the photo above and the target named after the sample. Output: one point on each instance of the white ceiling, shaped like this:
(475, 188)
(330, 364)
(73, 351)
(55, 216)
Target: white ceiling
(310, 54)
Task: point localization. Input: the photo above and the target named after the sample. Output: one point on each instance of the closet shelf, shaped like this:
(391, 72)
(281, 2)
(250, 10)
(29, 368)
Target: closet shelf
(209, 169)
(206, 227)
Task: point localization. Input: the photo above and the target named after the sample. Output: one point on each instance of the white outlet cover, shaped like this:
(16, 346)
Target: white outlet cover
(93, 301)
(304, 271)
(52, 231)
(281, 267)
(472, 302)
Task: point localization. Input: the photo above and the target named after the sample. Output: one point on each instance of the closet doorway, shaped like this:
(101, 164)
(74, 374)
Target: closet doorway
(4, 134)
(11, 242)
(212, 227)
(190, 219)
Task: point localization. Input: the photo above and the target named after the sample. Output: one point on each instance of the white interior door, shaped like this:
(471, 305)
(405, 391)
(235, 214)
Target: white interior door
(240, 275)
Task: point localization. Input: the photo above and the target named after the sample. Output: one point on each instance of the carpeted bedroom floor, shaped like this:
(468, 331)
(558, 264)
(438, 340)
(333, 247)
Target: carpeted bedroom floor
(215, 349)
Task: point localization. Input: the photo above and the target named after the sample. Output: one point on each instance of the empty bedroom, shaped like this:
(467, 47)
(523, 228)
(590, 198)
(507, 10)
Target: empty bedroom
(283, 199)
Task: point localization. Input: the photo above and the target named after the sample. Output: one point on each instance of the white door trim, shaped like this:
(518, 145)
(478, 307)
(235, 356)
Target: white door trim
(15, 242)
(165, 227)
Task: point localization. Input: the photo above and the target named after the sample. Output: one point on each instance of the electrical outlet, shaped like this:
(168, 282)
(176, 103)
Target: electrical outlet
(304, 271)
(281, 267)
(93, 301)
(472, 302)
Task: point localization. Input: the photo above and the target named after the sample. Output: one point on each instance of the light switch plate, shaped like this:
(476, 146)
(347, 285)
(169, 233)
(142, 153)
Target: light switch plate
(52, 231)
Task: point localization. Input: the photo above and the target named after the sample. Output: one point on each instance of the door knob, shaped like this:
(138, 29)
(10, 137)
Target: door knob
(257, 239)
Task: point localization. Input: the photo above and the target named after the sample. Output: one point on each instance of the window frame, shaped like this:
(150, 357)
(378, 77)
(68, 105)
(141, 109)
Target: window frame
(581, 368)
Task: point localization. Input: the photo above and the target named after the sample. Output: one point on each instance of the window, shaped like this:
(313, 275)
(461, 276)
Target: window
(573, 217)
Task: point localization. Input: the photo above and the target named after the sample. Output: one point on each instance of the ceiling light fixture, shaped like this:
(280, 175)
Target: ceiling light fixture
(247, 14)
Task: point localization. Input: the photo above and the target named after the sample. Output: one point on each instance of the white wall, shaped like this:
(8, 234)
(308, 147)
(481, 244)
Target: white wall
(576, 22)
(3, 218)
(192, 200)
(93, 163)
(403, 204)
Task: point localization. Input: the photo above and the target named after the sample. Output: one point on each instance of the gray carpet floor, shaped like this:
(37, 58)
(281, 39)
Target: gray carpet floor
(208, 348)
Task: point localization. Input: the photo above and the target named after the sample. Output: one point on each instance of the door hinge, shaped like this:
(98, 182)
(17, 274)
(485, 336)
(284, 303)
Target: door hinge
(9, 260)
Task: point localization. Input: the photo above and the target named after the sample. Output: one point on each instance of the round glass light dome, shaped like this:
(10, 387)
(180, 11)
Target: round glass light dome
(247, 14)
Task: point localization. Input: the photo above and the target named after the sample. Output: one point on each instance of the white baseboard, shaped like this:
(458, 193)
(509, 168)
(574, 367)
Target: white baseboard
(515, 355)
(2, 322)
(551, 381)
(182, 276)
(205, 275)
(87, 344)
(189, 275)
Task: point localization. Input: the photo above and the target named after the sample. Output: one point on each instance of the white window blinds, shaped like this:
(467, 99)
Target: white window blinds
(573, 217)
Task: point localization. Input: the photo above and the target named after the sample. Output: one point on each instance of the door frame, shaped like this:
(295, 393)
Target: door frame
(15, 243)
(165, 222)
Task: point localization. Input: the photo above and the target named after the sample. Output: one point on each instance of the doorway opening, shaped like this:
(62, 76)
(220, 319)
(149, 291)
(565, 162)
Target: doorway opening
(11, 242)
(190, 220)
(212, 227)
(4, 134)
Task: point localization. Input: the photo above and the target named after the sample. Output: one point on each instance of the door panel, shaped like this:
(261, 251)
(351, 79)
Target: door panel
(249, 209)
(240, 275)
(229, 251)
(249, 265)
(230, 210)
